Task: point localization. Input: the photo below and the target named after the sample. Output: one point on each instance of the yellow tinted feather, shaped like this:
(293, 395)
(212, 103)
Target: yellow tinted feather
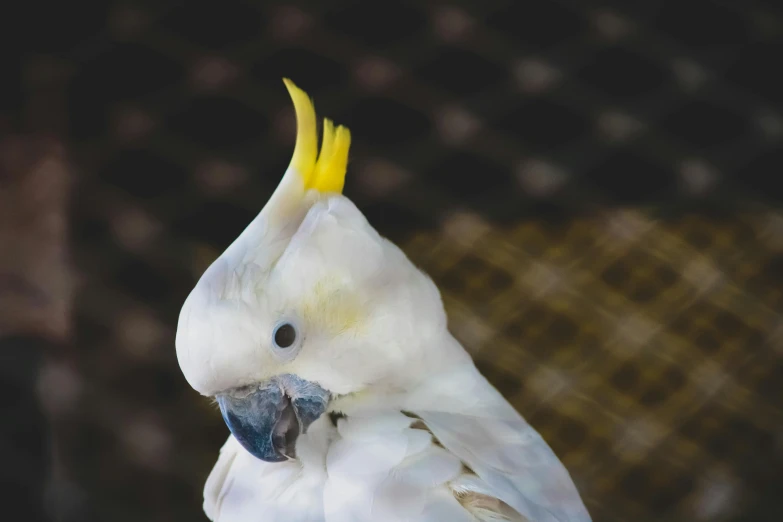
(324, 172)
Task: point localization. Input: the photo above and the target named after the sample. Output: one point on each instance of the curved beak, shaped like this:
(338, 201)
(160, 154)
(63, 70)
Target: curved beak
(268, 420)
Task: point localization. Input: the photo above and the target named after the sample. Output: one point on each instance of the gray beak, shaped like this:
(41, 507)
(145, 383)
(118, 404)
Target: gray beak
(267, 418)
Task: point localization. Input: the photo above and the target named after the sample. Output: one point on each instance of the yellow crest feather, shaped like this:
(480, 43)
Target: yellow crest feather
(324, 172)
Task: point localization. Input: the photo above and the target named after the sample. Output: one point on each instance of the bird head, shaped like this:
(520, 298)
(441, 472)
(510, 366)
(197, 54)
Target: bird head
(307, 305)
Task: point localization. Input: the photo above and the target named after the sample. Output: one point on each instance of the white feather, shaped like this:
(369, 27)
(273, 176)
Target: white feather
(428, 468)
(383, 469)
(216, 482)
(374, 332)
(506, 453)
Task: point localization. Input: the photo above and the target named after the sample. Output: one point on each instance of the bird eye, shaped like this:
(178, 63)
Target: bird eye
(285, 336)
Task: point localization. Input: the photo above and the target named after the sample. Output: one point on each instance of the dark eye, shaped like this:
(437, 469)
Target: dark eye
(285, 336)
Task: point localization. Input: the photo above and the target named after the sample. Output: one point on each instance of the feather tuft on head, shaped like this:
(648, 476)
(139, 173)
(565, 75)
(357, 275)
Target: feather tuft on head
(324, 171)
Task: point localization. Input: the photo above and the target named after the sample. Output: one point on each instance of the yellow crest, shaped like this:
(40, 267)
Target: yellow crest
(324, 172)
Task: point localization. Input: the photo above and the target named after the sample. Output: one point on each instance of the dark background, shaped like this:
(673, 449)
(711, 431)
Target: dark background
(593, 185)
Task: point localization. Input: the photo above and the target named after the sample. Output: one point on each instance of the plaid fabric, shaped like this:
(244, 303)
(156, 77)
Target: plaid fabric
(593, 186)
(648, 359)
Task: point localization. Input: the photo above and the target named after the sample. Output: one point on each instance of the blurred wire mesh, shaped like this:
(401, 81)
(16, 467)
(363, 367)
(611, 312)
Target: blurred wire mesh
(593, 185)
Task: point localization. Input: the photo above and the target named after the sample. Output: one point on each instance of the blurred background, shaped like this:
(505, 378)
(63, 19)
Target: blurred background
(594, 186)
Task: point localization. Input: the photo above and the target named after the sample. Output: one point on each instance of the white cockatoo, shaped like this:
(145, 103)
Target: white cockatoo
(347, 398)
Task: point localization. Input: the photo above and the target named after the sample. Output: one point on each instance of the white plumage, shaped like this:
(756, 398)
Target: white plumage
(381, 464)
(387, 474)
(421, 436)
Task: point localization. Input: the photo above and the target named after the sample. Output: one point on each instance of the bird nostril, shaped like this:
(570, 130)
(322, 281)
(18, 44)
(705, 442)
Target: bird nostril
(286, 431)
